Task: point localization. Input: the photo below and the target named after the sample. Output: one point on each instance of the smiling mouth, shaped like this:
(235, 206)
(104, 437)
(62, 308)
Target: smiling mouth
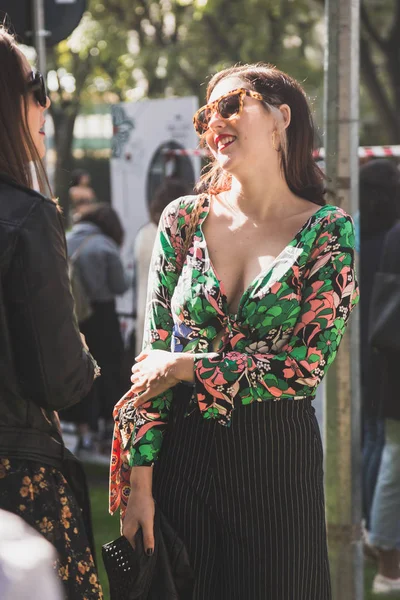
(225, 141)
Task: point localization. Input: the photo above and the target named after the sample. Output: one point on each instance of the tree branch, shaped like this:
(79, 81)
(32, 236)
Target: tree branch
(378, 94)
(394, 35)
(217, 35)
(366, 22)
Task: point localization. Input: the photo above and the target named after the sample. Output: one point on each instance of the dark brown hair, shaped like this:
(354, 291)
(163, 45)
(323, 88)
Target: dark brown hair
(302, 174)
(17, 148)
(170, 189)
(76, 177)
(104, 216)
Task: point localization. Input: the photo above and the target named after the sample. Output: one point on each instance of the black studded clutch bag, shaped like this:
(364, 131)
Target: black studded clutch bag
(166, 575)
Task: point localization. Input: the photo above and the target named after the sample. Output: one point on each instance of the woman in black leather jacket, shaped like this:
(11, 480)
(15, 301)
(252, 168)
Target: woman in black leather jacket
(44, 364)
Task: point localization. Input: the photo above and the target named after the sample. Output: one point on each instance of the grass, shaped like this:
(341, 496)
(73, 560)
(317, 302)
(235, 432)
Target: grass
(106, 528)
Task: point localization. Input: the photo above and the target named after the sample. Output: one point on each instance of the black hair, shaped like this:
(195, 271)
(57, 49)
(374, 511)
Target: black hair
(106, 218)
(76, 176)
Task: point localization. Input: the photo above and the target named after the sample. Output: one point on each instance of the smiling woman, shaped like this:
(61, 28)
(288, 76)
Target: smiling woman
(292, 136)
(252, 285)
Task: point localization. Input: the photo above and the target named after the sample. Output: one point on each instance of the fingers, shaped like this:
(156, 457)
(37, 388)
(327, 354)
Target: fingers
(129, 529)
(135, 368)
(139, 386)
(141, 356)
(136, 377)
(143, 398)
(148, 537)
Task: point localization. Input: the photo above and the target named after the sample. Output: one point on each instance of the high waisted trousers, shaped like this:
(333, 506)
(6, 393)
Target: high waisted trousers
(248, 500)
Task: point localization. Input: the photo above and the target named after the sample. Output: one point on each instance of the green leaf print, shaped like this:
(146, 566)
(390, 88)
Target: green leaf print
(306, 301)
(247, 397)
(328, 342)
(211, 413)
(275, 311)
(147, 452)
(299, 353)
(271, 380)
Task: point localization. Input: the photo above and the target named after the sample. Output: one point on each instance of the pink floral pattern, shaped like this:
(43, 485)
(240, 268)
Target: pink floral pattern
(285, 335)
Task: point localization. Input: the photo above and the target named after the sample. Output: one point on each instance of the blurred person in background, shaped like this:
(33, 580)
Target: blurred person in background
(168, 191)
(45, 365)
(384, 534)
(98, 235)
(379, 210)
(81, 193)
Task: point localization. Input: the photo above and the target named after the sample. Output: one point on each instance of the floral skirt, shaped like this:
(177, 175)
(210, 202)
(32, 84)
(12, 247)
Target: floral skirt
(42, 497)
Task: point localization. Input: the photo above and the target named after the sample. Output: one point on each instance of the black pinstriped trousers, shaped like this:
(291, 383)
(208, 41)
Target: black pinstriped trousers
(248, 500)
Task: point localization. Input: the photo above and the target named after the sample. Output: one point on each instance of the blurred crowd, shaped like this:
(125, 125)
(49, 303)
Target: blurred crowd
(378, 242)
(94, 241)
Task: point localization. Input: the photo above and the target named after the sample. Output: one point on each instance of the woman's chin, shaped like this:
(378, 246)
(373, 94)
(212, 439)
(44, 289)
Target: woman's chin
(226, 163)
(41, 148)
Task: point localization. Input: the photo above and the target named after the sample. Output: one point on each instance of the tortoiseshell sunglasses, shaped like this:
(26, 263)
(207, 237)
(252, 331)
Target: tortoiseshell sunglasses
(227, 106)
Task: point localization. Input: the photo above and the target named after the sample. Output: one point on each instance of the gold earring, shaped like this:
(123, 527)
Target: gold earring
(273, 142)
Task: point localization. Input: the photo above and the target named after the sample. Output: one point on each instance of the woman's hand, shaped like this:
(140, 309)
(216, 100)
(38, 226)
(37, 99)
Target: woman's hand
(140, 508)
(140, 514)
(157, 371)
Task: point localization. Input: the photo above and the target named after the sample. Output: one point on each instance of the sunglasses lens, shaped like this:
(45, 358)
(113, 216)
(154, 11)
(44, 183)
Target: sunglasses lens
(38, 88)
(40, 96)
(202, 120)
(229, 106)
(226, 107)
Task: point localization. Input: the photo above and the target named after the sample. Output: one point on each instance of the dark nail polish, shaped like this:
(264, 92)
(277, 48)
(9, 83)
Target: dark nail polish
(149, 551)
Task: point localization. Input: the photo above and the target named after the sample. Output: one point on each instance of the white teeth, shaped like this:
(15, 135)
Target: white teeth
(226, 140)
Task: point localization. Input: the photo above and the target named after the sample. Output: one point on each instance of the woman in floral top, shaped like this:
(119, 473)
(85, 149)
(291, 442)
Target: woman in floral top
(252, 286)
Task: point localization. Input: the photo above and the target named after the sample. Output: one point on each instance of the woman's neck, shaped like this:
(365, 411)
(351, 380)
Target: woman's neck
(261, 199)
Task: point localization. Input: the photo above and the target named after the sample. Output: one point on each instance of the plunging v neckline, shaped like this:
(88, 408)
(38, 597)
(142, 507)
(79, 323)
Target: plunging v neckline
(262, 273)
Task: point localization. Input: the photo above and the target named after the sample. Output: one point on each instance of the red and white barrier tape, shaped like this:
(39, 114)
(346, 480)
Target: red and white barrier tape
(363, 152)
(369, 151)
(185, 152)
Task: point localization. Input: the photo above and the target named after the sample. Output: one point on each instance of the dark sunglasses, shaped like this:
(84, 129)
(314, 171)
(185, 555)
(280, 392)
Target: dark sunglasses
(227, 106)
(37, 86)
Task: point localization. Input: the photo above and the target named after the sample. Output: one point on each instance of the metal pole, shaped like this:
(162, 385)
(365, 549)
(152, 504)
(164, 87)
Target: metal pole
(342, 404)
(40, 34)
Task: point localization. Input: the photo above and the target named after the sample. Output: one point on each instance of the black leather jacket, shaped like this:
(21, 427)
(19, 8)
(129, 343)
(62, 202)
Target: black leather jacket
(43, 365)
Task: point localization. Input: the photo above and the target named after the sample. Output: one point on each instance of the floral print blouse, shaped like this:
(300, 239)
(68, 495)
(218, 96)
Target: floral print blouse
(279, 344)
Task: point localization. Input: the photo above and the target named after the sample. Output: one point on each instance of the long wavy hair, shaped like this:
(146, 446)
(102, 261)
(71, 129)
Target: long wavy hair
(17, 148)
(302, 174)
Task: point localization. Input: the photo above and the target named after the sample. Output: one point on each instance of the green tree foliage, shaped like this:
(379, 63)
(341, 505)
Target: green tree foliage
(380, 63)
(380, 71)
(92, 65)
(181, 42)
(124, 50)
